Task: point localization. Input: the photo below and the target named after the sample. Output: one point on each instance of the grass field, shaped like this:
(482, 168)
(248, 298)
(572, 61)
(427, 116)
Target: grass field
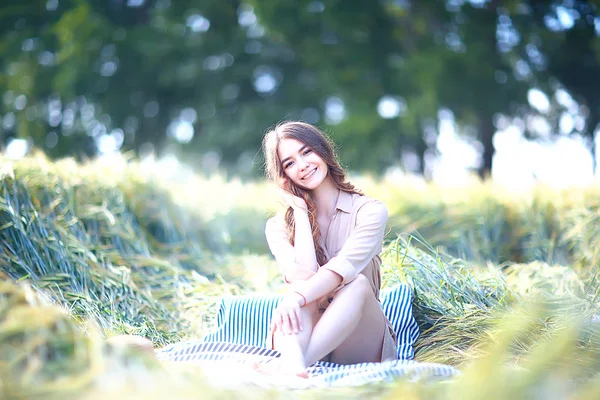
(505, 284)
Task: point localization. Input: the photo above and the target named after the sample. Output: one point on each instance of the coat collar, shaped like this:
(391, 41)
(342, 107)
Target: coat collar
(344, 202)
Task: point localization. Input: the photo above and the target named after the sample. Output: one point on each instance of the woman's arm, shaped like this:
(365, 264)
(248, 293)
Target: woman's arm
(297, 274)
(297, 262)
(362, 245)
(304, 246)
(286, 316)
(306, 276)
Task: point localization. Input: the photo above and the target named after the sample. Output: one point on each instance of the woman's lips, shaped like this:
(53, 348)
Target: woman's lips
(310, 174)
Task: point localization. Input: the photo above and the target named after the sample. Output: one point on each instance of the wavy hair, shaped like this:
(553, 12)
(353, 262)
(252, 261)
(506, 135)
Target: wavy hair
(322, 145)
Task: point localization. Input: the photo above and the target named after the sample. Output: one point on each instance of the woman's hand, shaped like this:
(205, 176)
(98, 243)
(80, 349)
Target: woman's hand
(289, 199)
(286, 317)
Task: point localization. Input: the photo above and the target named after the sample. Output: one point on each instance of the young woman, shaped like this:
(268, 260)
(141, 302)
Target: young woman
(327, 245)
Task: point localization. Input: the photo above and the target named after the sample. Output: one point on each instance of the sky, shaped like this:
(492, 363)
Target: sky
(518, 163)
(559, 159)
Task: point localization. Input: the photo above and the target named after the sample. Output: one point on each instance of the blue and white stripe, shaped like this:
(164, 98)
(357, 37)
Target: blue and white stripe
(214, 351)
(245, 319)
(397, 307)
(242, 328)
(321, 374)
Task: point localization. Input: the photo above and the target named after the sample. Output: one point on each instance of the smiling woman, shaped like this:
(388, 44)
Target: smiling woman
(301, 164)
(327, 245)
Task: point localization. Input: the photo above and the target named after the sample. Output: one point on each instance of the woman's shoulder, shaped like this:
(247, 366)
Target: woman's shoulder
(360, 201)
(277, 218)
(275, 222)
(369, 207)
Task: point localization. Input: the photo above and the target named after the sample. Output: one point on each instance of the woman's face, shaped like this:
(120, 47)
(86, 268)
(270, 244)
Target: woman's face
(301, 164)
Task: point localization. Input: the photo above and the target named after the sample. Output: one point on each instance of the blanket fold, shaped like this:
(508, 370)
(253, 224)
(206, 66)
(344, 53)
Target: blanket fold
(219, 357)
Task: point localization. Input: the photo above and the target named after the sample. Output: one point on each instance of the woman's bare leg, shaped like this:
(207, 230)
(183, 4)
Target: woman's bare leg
(292, 347)
(365, 343)
(352, 327)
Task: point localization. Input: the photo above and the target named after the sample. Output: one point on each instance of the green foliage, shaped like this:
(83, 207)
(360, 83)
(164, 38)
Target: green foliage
(483, 222)
(109, 247)
(39, 345)
(74, 71)
(100, 254)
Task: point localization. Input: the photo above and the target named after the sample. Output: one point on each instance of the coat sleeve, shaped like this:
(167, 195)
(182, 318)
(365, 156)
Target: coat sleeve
(363, 244)
(279, 244)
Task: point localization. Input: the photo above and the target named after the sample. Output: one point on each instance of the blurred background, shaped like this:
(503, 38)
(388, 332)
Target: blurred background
(423, 98)
(443, 89)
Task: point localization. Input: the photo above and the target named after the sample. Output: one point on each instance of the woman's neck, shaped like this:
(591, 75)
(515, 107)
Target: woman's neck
(325, 197)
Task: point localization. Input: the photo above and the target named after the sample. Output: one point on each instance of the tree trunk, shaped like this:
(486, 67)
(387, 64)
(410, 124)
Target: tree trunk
(420, 149)
(592, 125)
(594, 156)
(486, 134)
(486, 122)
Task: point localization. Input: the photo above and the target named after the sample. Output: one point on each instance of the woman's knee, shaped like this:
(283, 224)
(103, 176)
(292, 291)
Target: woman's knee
(360, 285)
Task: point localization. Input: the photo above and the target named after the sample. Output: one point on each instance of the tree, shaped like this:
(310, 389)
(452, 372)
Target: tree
(79, 71)
(561, 39)
(211, 77)
(431, 54)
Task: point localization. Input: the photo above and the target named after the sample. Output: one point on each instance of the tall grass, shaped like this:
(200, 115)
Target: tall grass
(83, 245)
(505, 285)
(486, 223)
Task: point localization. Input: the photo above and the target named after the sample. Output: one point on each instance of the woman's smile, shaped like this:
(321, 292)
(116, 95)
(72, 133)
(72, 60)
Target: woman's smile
(301, 164)
(310, 174)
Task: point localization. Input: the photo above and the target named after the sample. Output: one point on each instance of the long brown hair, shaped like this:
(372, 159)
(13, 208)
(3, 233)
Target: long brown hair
(322, 145)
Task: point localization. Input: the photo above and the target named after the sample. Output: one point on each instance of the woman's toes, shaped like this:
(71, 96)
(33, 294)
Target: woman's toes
(302, 374)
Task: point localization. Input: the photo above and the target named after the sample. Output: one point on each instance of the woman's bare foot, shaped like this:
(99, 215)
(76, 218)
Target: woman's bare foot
(277, 368)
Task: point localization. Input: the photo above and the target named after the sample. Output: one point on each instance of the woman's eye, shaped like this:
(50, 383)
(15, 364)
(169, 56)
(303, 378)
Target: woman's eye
(287, 165)
(307, 151)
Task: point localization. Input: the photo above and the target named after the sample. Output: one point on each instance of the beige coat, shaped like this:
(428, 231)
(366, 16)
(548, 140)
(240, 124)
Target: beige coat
(352, 246)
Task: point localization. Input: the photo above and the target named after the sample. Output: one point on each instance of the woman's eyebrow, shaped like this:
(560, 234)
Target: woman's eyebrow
(299, 151)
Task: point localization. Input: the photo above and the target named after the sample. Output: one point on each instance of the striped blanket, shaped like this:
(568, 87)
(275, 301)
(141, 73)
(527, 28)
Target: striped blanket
(242, 326)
